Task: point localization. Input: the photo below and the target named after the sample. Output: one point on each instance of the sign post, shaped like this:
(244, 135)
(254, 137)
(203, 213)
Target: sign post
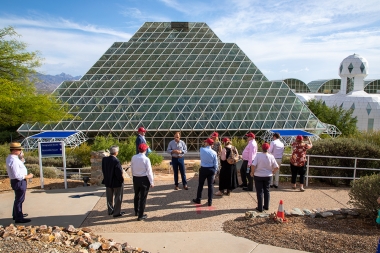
(52, 149)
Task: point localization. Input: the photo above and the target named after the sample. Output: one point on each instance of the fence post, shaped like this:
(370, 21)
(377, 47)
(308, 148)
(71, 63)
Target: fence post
(356, 160)
(307, 170)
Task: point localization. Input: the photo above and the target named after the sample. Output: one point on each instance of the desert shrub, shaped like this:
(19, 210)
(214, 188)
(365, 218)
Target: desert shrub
(345, 147)
(71, 162)
(76, 176)
(81, 154)
(4, 152)
(104, 143)
(368, 137)
(155, 159)
(196, 167)
(49, 172)
(364, 193)
(3, 172)
(127, 149)
(239, 143)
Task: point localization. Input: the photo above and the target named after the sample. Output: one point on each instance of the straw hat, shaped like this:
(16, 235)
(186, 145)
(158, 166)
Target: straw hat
(15, 145)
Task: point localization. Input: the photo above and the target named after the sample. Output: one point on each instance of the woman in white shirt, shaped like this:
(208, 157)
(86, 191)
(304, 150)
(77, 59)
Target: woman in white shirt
(262, 170)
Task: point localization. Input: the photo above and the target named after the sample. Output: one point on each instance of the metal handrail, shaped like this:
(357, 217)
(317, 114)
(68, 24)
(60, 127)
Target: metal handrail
(355, 168)
(68, 173)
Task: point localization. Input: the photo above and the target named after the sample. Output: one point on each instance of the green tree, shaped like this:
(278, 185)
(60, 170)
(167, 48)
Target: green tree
(20, 102)
(335, 115)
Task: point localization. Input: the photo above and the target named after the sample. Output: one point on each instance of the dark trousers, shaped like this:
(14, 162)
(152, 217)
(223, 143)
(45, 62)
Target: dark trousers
(141, 187)
(179, 163)
(296, 170)
(246, 176)
(209, 174)
(114, 195)
(262, 188)
(19, 187)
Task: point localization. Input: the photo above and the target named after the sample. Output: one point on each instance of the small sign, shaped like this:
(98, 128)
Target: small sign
(51, 149)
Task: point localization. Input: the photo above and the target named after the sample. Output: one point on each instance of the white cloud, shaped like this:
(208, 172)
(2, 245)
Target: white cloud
(307, 39)
(65, 45)
(192, 8)
(59, 23)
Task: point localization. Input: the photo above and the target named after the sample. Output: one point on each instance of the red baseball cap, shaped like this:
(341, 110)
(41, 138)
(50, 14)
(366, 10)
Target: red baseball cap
(141, 129)
(265, 146)
(209, 141)
(299, 138)
(143, 147)
(225, 139)
(250, 134)
(215, 134)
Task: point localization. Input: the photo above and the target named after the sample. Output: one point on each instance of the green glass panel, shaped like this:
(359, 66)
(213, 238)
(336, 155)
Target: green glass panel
(293, 116)
(223, 125)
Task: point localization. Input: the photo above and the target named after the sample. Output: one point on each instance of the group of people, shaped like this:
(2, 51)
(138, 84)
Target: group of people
(258, 169)
(142, 174)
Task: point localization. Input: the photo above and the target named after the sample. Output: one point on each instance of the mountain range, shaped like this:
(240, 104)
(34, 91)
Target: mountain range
(48, 83)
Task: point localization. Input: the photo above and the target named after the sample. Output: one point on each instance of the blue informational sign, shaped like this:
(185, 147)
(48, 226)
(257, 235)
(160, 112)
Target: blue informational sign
(51, 149)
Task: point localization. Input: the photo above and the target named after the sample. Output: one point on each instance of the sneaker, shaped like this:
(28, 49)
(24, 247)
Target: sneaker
(219, 193)
(185, 187)
(142, 217)
(176, 188)
(271, 186)
(275, 186)
(302, 189)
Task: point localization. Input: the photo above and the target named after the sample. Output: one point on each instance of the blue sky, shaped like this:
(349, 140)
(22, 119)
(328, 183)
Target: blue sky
(305, 39)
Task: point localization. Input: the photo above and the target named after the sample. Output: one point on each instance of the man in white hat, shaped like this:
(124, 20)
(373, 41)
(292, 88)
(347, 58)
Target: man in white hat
(18, 174)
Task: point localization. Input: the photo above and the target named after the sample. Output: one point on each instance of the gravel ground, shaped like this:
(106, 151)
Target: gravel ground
(49, 183)
(310, 234)
(19, 245)
(172, 211)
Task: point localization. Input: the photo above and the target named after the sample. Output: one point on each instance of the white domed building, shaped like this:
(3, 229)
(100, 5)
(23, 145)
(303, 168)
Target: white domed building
(351, 94)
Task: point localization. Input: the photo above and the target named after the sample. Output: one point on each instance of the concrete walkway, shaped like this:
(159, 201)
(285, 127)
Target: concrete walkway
(174, 224)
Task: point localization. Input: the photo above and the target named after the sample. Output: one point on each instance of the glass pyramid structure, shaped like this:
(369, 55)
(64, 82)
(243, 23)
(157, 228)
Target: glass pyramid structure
(177, 76)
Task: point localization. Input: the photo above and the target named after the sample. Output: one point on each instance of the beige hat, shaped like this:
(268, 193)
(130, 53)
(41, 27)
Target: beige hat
(15, 145)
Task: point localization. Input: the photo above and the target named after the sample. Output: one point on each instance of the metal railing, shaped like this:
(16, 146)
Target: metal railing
(307, 175)
(355, 168)
(69, 172)
(72, 171)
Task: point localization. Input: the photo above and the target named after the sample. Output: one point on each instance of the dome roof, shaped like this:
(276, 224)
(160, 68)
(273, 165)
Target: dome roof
(354, 65)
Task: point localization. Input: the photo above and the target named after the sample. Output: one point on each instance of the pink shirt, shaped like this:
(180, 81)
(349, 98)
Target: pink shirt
(250, 151)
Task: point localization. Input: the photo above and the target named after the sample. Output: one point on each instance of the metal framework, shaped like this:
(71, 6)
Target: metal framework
(332, 130)
(287, 136)
(71, 139)
(177, 76)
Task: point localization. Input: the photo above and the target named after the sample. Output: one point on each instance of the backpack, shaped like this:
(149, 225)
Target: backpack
(234, 156)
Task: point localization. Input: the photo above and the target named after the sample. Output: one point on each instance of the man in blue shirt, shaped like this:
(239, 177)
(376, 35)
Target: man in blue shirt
(177, 149)
(140, 138)
(209, 167)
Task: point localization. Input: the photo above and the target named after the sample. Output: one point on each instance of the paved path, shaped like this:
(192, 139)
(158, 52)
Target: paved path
(174, 224)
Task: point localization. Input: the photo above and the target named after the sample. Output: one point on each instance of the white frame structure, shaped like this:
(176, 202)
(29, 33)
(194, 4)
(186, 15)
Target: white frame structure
(287, 139)
(71, 139)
